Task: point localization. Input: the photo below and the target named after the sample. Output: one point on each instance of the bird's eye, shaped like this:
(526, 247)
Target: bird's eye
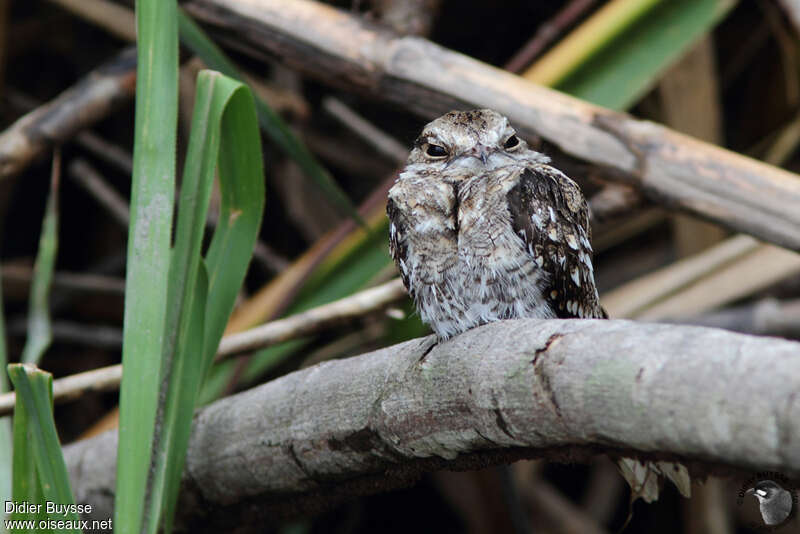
(511, 143)
(435, 151)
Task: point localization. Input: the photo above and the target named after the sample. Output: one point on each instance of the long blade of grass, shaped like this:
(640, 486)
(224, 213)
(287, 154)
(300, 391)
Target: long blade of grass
(40, 333)
(224, 135)
(276, 129)
(35, 395)
(241, 208)
(24, 482)
(188, 374)
(152, 196)
(26, 487)
(618, 73)
(608, 23)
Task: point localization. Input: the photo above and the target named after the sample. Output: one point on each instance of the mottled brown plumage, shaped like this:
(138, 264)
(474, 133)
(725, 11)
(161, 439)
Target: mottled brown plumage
(483, 229)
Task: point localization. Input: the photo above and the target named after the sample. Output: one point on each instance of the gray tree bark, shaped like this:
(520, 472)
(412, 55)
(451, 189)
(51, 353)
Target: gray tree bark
(561, 389)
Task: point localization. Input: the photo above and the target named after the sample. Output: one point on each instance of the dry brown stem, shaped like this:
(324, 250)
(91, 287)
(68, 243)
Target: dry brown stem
(90, 100)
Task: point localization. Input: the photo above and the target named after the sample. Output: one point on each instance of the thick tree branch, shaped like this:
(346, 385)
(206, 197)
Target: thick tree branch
(668, 167)
(493, 394)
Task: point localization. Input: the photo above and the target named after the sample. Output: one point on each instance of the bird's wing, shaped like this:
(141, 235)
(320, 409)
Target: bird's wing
(783, 504)
(550, 214)
(397, 246)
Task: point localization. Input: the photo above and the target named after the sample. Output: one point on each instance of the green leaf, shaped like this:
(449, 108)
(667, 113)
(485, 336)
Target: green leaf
(34, 407)
(276, 129)
(26, 487)
(630, 64)
(152, 198)
(40, 333)
(224, 136)
(179, 409)
(241, 177)
(176, 312)
(19, 475)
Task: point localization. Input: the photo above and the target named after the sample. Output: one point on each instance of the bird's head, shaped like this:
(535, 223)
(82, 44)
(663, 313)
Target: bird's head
(477, 140)
(764, 490)
(774, 502)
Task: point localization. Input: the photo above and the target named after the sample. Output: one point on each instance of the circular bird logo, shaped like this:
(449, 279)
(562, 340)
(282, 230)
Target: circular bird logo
(777, 500)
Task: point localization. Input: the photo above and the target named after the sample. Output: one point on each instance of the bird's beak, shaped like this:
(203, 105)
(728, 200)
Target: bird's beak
(480, 152)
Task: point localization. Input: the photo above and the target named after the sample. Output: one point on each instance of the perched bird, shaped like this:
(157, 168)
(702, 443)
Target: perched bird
(483, 228)
(774, 502)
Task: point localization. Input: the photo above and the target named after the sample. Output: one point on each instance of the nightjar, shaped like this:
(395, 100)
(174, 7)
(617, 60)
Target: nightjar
(483, 229)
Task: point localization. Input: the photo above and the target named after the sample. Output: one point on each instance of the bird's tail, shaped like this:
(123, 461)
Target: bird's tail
(646, 479)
